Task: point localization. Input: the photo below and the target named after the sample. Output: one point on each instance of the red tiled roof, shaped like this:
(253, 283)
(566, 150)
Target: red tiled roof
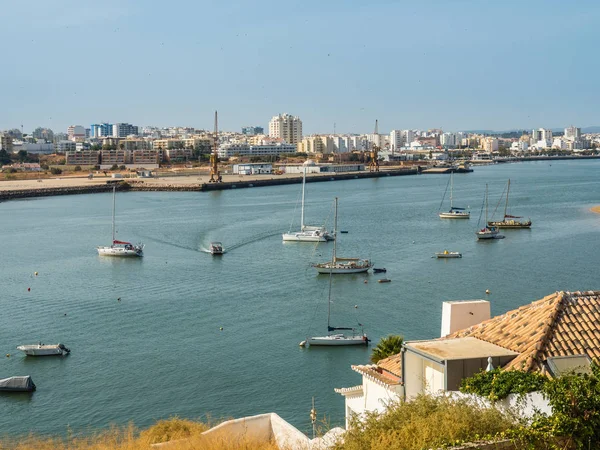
(561, 324)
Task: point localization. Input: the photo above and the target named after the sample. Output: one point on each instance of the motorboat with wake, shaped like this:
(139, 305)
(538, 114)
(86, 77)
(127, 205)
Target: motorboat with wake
(216, 248)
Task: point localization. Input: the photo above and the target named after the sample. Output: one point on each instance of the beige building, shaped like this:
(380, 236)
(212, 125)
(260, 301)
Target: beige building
(82, 158)
(146, 156)
(6, 142)
(316, 145)
(286, 127)
(489, 144)
(164, 144)
(135, 144)
(111, 157)
(178, 154)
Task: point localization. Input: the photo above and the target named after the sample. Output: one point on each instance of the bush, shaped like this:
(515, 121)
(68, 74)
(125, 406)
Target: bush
(426, 422)
(55, 171)
(96, 167)
(498, 384)
(44, 167)
(114, 167)
(77, 169)
(122, 167)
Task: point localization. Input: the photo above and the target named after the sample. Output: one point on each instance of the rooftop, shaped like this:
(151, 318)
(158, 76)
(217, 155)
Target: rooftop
(459, 348)
(560, 324)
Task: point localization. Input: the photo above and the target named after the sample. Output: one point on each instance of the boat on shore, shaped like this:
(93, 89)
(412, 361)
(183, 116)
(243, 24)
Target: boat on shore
(216, 248)
(447, 254)
(307, 233)
(454, 212)
(509, 221)
(17, 384)
(342, 265)
(120, 248)
(44, 349)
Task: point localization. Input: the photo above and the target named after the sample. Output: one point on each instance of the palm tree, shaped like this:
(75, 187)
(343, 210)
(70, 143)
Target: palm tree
(387, 346)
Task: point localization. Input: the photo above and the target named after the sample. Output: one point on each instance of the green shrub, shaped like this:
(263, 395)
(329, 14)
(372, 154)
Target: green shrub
(77, 169)
(498, 384)
(55, 171)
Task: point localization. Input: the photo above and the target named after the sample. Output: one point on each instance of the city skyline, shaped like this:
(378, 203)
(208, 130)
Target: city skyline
(459, 66)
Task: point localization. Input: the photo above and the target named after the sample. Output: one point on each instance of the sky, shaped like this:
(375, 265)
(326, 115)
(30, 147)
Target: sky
(455, 65)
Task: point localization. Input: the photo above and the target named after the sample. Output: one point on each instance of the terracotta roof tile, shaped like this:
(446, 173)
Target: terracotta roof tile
(560, 324)
(392, 364)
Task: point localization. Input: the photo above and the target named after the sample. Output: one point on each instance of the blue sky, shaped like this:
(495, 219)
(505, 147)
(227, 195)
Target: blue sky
(411, 64)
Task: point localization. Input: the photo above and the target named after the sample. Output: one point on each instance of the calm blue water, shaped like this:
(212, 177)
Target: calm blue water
(159, 352)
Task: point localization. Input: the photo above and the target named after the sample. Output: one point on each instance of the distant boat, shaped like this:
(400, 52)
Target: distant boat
(307, 233)
(447, 254)
(384, 280)
(509, 221)
(342, 265)
(216, 248)
(487, 232)
(380, 270)
(454, 213)
(44, 349)
(120, 248)
(336, 339)
(17, 384)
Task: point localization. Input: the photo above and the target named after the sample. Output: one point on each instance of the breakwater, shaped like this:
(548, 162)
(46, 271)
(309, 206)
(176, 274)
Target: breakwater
(141, 185)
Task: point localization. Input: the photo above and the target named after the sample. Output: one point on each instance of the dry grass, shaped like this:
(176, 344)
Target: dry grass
(186, 435)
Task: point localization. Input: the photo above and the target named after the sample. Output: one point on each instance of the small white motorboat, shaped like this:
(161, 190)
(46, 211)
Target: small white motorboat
(216, 248)
(44, 349)
(447, 254)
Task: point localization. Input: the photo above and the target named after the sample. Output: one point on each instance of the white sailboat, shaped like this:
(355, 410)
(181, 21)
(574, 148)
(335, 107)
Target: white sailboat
(337, 339)
(307, 233)
(454, 213)
(342, 265)
(487, 232)
(120, 248)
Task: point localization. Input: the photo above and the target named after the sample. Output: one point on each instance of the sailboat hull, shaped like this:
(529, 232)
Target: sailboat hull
(510, 224)
(454, 215)
(339, 268)
(336, 340)
(303, 237)
(120, 251)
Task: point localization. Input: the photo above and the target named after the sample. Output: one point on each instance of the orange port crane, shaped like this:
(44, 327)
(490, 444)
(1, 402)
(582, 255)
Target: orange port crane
(374, 154)
(215, 175)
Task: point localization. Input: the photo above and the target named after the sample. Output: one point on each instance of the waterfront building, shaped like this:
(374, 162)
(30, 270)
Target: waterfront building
(489, 144)
(82, 158)
(252, 131)
(244, 150)
(108, 158)
(146, 157)
(34, 147)
(470, 342)
(317, 144)
(163, 144)
(311, 167)
(286, 127)
(408, 136)
(519, 146)
(123, 130)
(340, 144)
(448, 140)
(81, 146)
(252, 169)
(135, 144)
(178, 154)
(396, 140)
(76, 133)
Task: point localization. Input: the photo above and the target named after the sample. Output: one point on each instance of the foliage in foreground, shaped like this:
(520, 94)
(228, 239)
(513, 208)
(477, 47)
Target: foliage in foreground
(129, 438)
(387, 346)
(426, 422)
(498, 384)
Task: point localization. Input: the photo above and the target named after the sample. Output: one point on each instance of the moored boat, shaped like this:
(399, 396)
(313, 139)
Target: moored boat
(508, 220)
(454, 212)
(487, 232)
(447, 254)
(17, 384)
(44, 349)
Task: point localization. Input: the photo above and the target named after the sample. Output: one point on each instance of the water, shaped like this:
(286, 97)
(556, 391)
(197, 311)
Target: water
(160, 352)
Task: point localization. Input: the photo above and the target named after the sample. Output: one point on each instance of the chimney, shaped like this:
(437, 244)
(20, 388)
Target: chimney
(461, 314)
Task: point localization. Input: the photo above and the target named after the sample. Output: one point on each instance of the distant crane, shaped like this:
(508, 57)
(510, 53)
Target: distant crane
(374, 155)
(215, 175)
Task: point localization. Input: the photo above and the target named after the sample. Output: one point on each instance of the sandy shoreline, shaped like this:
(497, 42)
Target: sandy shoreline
(595, 209)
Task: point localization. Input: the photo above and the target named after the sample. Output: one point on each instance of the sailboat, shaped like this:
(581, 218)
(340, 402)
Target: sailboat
(336, 339)
(120, 248)
(454, 213)
(307, 233)
(487, 232)
(342, 265)
(509, 221)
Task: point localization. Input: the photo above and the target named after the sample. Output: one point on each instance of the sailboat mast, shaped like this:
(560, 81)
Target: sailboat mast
(302, 212)
(335, 232)
(486, 204)
(329, 299)
(506, 205)
(451, 188)
(113, 214)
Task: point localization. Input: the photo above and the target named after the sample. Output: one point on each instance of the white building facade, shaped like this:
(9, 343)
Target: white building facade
(286, 127)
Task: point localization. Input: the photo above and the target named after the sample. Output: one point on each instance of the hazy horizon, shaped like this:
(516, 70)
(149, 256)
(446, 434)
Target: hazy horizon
(461, 65)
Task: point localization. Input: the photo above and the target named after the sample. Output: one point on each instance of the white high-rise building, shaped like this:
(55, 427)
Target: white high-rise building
(286, 127)
(408, 137)
(448, 140)
(396, 140)
(572, 133)
(123, 130)
(546, 134)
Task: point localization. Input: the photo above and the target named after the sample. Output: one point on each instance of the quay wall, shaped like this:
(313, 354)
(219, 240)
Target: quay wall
(141, 185)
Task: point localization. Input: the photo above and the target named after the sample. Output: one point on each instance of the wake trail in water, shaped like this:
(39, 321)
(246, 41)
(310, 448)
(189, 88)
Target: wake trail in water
(171, 243)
